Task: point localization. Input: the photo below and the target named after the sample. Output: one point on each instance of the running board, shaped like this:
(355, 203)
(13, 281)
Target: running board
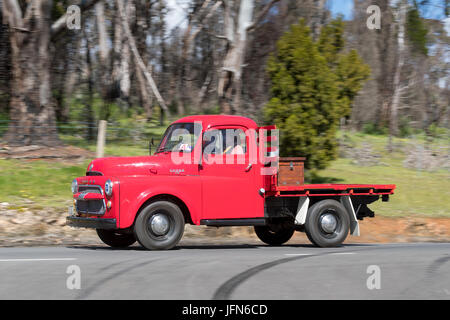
(233, 222)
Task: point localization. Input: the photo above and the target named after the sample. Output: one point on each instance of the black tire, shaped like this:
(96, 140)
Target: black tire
(116, 240)
(313, 227)
(275, 234)
(147, 236)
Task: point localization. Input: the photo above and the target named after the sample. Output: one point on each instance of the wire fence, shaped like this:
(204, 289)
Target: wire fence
(136, 134)
(133, 137)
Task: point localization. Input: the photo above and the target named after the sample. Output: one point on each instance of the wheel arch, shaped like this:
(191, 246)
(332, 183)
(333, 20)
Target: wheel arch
(167, 197)
(305, 206)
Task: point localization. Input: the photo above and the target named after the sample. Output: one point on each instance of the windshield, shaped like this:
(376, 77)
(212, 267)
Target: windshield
(179, 137)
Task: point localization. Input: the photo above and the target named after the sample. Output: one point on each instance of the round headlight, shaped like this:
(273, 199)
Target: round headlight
(108, 187)
(74, 186)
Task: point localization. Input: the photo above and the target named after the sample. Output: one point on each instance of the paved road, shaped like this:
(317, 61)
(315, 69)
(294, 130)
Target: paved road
(408, 271)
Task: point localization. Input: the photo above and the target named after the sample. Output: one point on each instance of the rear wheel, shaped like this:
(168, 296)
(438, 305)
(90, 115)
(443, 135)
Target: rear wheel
(114, 239)
(159, 226)
(327, 223)
(275, 234)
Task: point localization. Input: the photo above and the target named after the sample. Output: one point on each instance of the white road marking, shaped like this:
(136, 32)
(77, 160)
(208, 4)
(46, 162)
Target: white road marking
(28, 260)
(343, 253)
(309, 254)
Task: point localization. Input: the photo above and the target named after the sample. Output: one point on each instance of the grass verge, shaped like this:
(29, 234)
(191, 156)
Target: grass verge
(42, 183)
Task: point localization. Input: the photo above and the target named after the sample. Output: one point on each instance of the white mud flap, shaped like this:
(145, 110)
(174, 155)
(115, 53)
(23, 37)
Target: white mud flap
(354, 225)
(302, 210)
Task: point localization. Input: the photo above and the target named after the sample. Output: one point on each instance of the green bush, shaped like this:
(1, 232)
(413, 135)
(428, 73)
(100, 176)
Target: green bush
(313, 86)
(373, 129)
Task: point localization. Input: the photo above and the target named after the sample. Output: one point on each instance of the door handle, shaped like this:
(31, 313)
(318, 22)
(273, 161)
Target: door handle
(248, 167)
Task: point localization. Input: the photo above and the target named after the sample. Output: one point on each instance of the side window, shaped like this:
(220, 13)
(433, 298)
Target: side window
(213, 142)
(225, 141)
(236, 142)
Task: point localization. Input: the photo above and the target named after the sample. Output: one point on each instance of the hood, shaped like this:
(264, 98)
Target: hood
(159, 164)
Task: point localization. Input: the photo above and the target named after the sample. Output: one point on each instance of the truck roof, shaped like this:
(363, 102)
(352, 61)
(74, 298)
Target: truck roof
(220, 120)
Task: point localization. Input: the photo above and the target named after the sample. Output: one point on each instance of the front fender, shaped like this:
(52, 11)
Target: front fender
(135, 191)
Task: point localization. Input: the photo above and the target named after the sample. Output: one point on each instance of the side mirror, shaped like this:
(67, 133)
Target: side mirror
(151, 143)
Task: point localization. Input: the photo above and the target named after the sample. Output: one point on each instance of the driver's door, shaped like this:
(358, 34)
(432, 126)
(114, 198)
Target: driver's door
(229, 188)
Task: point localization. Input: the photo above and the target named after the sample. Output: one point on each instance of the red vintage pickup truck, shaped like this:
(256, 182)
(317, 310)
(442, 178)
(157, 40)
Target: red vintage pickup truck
(215, 171)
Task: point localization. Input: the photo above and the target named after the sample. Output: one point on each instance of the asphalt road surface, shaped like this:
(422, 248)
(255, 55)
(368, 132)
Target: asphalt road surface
(404, 271)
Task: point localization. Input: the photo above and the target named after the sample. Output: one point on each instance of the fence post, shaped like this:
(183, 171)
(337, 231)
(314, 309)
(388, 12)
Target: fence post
(101, 135)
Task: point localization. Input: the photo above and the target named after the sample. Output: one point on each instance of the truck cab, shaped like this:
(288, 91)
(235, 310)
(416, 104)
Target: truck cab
(215, 171)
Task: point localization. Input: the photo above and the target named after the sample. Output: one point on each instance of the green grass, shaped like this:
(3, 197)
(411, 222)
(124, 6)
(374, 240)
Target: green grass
(42, 183)
(121, 143)
(38, 184)
(47, 183)
(417, 193)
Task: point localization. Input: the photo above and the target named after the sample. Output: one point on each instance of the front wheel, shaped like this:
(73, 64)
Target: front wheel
(115, 239)
(274, 234)
(159, 226)
(327, 223)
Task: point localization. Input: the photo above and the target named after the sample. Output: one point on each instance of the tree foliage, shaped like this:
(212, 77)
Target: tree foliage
(417, 31)
(349, 67)
(313, 86)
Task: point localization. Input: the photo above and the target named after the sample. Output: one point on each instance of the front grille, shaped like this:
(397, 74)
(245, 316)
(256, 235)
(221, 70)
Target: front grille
(90, 206)
(96, 207)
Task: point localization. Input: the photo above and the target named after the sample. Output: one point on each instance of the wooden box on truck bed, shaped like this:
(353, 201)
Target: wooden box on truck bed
(291, 171)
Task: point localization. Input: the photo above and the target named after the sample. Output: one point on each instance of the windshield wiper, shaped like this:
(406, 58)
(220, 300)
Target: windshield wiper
(162, 150)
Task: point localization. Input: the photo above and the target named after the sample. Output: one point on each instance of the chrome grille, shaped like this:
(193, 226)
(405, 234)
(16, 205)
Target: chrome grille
(95, 207)
(91, 189)
(90, 206)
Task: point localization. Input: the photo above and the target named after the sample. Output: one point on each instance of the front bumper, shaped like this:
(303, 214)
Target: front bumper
(96, 223)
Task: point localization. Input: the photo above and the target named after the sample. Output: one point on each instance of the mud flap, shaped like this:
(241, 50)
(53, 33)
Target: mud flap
(302, 210)
(348, 205)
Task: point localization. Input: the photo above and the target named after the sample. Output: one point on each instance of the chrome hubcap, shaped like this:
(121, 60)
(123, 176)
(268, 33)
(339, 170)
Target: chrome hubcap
(159, 224)
(328, 223)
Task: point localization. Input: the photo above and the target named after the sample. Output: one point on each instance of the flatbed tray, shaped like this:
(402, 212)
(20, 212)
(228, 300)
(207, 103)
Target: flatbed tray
(329, 189)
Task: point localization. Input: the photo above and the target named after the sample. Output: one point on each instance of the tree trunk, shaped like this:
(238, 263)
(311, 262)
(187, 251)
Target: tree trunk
(393, 112)
(317, 19)
(232, 65)
(195, 26)
(146, 98)
(138, 59)
(102, 34)
(32, 114)
(89, 112)
(230, 79)
(105, 78)
(142, 21)
(125, 57)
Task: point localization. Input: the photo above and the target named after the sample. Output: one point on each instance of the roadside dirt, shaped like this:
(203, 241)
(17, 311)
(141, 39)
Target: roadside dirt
(372, 230)
(23, 227)
(62, 152)
(403, 229)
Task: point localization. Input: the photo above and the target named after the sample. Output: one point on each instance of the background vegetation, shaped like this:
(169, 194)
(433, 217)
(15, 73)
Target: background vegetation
(364, 106)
